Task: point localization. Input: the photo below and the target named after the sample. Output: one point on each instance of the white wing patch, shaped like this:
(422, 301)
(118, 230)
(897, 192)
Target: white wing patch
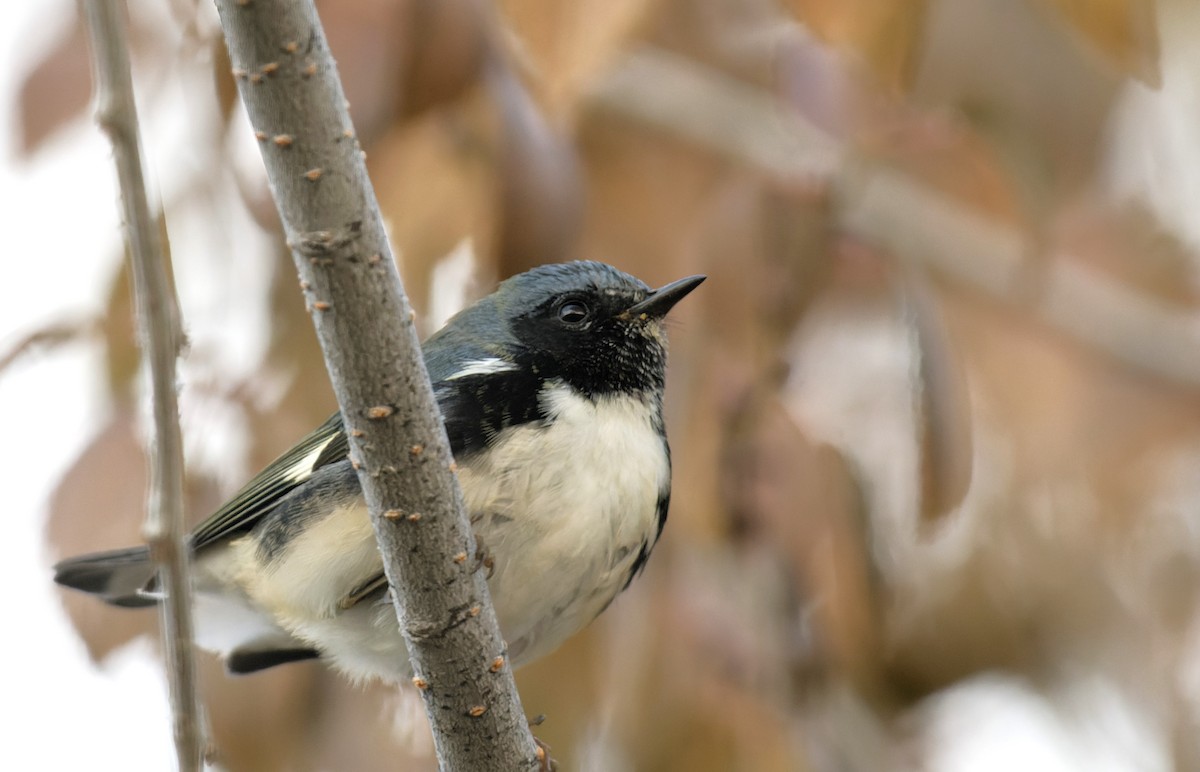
(303, 469)
(483, 367)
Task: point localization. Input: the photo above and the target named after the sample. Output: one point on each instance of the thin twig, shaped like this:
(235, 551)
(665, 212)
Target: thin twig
(920, 225)
(294, 99)
(717, 111)
(45, 339)
(158, 330)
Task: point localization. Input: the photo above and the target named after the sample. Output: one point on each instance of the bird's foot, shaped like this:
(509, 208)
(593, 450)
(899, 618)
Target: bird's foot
(545, 762)
(483, 558)
(363, 590)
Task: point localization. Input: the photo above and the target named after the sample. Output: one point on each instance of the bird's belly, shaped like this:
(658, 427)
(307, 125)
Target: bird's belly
(564, 510)
(320, 566)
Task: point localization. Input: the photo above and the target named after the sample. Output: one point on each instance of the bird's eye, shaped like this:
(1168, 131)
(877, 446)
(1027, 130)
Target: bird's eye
(572, 312)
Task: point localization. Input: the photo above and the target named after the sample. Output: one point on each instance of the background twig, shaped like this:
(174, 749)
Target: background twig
(289, 84)
(158, 329)
(892, 209)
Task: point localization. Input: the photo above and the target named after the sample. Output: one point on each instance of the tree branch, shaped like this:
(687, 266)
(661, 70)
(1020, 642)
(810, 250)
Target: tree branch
(161, 341)
(294, 98)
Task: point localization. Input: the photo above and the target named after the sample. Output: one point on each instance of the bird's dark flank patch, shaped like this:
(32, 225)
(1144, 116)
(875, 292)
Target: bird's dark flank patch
(639, 563)
(476, 408)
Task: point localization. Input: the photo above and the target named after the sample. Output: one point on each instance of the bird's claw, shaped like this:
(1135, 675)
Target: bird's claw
(363, 590)
(545, 763)
(483, 558)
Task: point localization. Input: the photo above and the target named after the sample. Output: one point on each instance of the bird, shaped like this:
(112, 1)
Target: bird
(551, 393)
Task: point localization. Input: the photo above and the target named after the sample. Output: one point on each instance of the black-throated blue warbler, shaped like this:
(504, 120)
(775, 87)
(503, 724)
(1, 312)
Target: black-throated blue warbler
(551, 391)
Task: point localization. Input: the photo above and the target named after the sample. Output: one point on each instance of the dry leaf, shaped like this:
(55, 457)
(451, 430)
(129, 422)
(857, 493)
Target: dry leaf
(260, 723)
(99, 505)
(446, 192)
(888, 36)
(802, 500)
(1039, 100)
(449, 42)
(1128, 243)
(1124, 31)
(369, 39)
(540, 190)
(56, 90)
(566, 45)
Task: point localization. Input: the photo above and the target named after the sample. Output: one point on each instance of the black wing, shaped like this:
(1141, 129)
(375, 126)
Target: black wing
(326, 445)
(475, 406)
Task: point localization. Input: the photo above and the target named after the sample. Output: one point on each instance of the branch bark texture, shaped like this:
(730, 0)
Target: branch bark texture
(161, 341)
(289, 84)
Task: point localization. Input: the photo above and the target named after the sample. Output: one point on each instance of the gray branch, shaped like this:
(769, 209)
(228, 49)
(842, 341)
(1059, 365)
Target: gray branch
(161, 341)
(294, 98)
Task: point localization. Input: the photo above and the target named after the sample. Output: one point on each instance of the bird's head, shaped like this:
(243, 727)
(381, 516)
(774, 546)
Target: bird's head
(595, 327)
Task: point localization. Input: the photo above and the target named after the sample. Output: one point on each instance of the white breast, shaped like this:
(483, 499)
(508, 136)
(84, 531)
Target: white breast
(563, 509)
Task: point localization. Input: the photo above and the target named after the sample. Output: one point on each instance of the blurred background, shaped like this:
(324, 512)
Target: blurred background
(935, 414)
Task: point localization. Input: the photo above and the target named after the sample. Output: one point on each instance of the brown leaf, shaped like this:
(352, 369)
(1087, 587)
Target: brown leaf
(262, 722)
(1124, 31)
(369, 39)
(357, 728)
(293, 350)
(446, 192)
(56, 90)
(448, 44)
(888, 36)
(801, 498)
(566, 45)
(98, 505)
(646, 193)
(1018, 79)
(1129, 243)
(541, 192)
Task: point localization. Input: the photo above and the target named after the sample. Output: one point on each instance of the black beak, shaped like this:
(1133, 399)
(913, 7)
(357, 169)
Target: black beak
(660, 301)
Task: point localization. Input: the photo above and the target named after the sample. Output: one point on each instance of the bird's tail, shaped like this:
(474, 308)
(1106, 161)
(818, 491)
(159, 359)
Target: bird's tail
(120, 577)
